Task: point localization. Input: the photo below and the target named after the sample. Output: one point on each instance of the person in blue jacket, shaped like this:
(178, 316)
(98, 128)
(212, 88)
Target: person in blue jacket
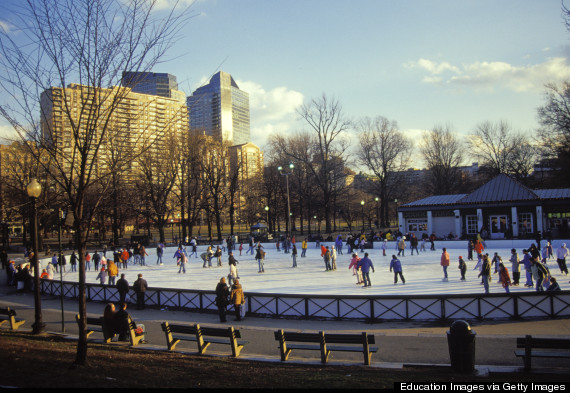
(396, 265)
(365, 264)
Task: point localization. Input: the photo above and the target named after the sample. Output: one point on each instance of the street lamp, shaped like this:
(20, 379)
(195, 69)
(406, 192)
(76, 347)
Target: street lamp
(396, 202)
(377, 212)
(34, 190)
(286, 174)
(362, 204)
(172, 228)
(267, 215)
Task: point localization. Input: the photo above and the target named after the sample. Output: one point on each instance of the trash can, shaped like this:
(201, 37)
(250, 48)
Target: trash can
(461, 342)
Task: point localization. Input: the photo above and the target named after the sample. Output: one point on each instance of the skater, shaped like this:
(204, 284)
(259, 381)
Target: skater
(470, 247)
(539, 273)
(485, 274)
(143, 255)
(218, 255)
(73, 261)
(496, 260)
(233, 269)
(294, 255)
(238, 299)
(333, 258)
(194, 250)
(338, 244)
(304, 248)
(250, 249)
(384, 246)
(209, 255)
(423, 245)
(365, 264)
(113, 272)
(96, 260)
(183, 259)
(222, 298)
(553, 285)
(414, 244)
(432, 241)
(327, 259)
(527, 267)
(515, 267)
(561, 254)
(396, 265)
(259, 256)
(462, 268)
(445, 263)
(402, 245)
(504, 277)
(356, 271)
(102, 276)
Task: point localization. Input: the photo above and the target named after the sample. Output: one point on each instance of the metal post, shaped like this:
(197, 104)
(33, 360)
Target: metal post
(38, 327)
(288, 205)
(59, 213)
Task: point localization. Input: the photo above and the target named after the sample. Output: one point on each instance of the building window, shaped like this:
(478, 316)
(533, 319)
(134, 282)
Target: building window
(525, 223)
(417, 225)
(471, 225)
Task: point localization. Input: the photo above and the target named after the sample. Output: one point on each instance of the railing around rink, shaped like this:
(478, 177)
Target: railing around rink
(522, 305)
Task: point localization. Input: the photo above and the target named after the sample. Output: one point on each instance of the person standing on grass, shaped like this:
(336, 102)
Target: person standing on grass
(444, 263)
(396, 266)
(140, 286)
(366, 264)
(238, 299)
(222, 299)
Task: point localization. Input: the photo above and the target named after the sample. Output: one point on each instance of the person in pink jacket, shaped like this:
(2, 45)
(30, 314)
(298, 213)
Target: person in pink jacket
(355, 270)
(445, 263)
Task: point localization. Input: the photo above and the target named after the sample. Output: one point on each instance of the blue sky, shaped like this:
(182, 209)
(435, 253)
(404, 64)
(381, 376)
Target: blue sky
(418, 62)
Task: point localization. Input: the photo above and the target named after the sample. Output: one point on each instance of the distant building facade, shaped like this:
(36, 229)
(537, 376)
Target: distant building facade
(221, 110)
(503, 206)
(158, 84)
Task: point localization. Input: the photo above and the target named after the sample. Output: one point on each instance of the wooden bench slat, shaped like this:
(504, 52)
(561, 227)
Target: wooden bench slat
(203, 336)
(10, 314)
(531, 344)
(543, 354)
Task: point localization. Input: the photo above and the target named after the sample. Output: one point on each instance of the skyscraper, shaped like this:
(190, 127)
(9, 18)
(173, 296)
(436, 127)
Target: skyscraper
(158, 84)
(221, 110)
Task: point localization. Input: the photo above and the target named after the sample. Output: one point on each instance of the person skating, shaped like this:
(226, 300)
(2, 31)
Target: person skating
(526, 261)
(233, 269)
(485, 273)
(504, 277)
(396, 266)
(327, 259)
(515, 267)
(444, 263)
(356, 271)
(365, 264)
(294, 255)
(462, 268)
(561, 254)
(259, 256)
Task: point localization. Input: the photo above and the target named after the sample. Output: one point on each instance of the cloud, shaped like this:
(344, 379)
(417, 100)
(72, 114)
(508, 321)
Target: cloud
(271, 111)
(7, 133)
(494, 75)
(6, 27)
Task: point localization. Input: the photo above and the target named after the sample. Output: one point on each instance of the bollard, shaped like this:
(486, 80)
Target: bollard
(461, 342)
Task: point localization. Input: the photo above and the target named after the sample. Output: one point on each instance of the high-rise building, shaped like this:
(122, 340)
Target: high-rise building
(221, 110)
(137, 120)
(158, 84)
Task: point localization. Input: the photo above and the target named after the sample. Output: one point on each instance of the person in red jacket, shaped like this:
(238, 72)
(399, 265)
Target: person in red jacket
(445, 263)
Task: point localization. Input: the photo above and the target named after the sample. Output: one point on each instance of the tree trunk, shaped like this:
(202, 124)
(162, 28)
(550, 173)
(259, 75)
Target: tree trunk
(81, 355)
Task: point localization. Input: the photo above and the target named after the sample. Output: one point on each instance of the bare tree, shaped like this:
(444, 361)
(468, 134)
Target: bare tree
(385, 151)
(442, 153)
(90, 43)
(554, 117)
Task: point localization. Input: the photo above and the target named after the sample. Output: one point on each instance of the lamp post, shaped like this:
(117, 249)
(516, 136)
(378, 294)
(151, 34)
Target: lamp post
(377, 212)
(266, 208)
(34, 190)
(59, 217)
(172, 228)
(362, 204)
(286, 174)
(396, 202)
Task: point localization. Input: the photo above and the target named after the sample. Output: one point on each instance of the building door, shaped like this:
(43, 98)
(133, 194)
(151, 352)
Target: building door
(499, 226)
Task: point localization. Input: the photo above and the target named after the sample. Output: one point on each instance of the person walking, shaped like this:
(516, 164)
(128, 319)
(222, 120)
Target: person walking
(396, 266)
(444, 263)
(504, 277)
(515, 267)
(485, 273)
(561, 254)
(222, 298)
(462, 268)
(122, 288)
(238, 299)
(365, 264)
(140, 286)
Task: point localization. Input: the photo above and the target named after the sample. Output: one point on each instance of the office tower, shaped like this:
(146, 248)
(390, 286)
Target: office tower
(158, 84)
(221, 110)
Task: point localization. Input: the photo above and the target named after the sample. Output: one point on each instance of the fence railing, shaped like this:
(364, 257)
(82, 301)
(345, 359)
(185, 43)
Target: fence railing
(526, 305)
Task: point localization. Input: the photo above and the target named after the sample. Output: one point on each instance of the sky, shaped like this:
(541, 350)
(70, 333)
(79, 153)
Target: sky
(419, 63)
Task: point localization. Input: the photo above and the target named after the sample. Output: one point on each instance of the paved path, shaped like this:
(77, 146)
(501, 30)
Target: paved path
(399, 342)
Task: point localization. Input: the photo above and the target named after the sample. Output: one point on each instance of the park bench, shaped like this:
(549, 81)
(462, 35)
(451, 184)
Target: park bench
(325, 343)
(96, 325)
(203, 336)
(548, 348)
(9, 315)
